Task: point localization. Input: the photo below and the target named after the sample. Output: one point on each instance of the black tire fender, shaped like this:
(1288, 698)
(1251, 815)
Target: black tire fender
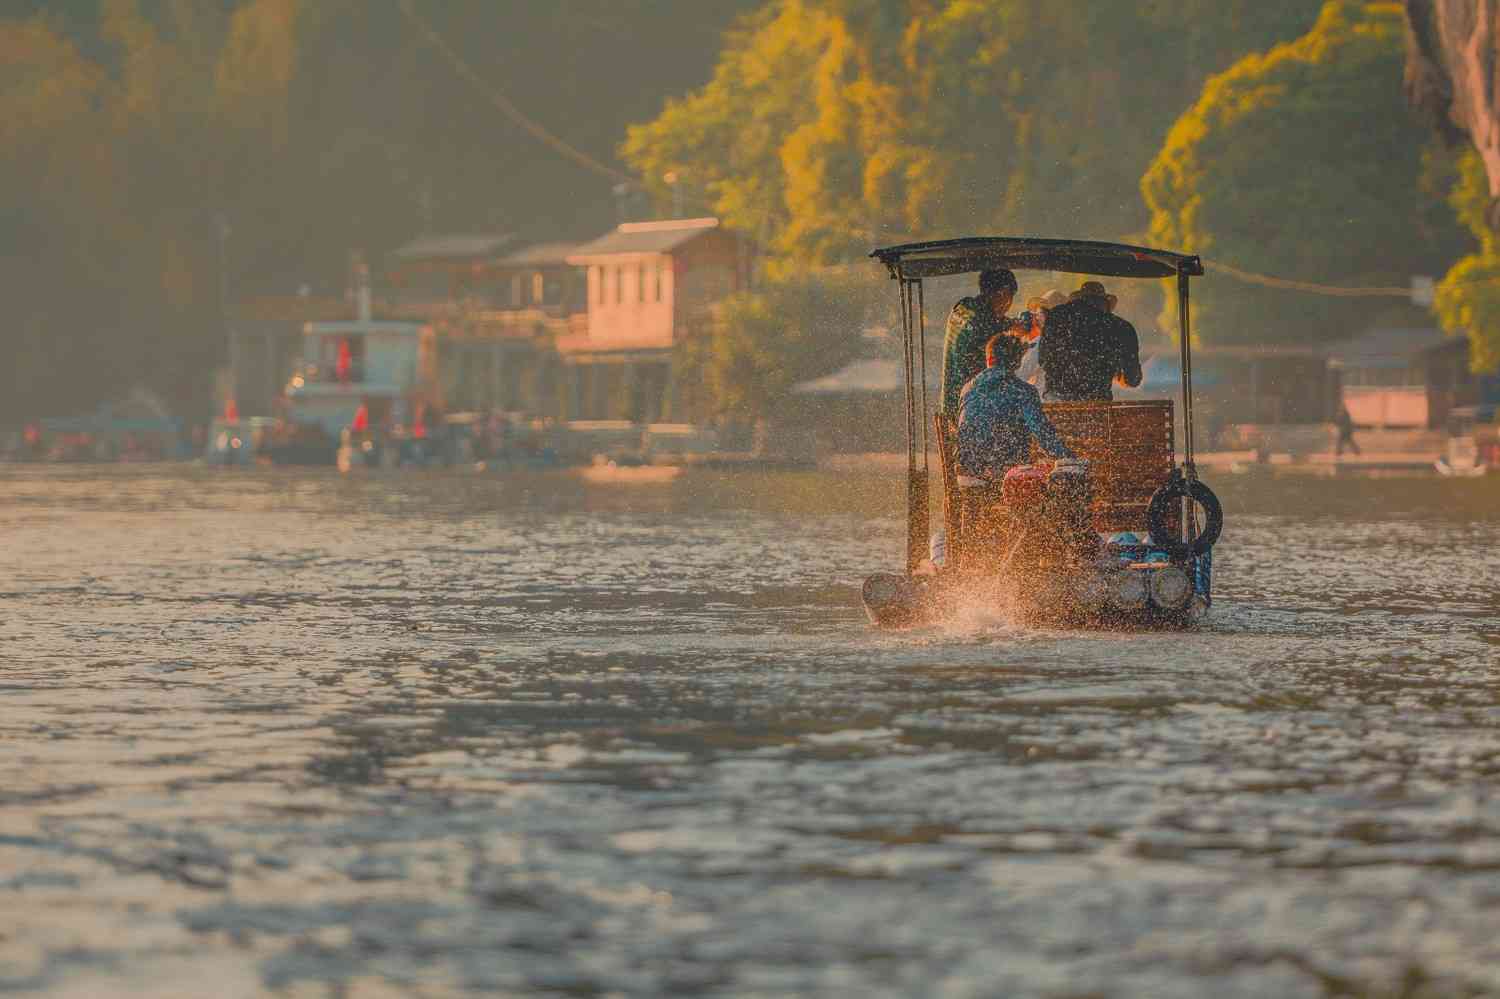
(1177, 488)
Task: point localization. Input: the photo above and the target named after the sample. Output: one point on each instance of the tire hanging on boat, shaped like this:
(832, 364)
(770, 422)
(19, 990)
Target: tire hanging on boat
(1178, 488)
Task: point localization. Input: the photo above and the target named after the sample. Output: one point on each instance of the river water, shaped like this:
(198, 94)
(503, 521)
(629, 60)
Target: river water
(308, 735)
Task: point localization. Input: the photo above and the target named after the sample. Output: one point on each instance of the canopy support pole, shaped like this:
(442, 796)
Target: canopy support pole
(1189, 469)
(1185, 332)
(911, 447)
(922, 351)
(916, 478)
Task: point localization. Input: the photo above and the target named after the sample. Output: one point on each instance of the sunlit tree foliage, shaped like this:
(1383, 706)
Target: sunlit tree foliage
(833, 124)
(757, 344)
(1303, 162)
(132, 128)
(1468, 298)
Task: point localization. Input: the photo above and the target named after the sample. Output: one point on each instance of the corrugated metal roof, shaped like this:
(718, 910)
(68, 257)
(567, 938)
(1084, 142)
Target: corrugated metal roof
(540, 255)
(645, 237)
(455, 245)
(873, 375)
(1386, 347)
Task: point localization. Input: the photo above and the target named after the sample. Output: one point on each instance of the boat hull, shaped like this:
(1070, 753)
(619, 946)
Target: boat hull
(1109, 598)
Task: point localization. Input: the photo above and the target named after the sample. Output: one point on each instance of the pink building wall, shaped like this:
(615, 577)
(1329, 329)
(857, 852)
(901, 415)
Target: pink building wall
(1383, 406)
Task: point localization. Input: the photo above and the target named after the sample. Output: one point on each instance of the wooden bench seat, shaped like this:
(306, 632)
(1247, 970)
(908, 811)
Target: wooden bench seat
(1130, 449)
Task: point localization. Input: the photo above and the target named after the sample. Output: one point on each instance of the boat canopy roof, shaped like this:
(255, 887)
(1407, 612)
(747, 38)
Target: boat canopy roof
(937, 258)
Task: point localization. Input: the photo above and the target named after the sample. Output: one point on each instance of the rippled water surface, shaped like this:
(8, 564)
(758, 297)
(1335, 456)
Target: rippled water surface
(291, 733)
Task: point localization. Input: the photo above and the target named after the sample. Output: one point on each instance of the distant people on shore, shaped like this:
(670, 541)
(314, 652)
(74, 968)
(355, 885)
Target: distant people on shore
(1345, 424)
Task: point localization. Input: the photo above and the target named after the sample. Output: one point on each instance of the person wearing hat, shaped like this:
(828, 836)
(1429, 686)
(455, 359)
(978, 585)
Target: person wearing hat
(1085, 348)
(1040, 307)
(1046, 302)
(971, 325)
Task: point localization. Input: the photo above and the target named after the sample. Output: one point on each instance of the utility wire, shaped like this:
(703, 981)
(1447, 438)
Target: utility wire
(1373, 291)
(503, 103)
(1376, 291)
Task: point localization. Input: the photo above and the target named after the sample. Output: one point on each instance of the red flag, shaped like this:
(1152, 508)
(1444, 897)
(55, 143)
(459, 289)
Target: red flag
(231, 411)
(344, 367)
(361, 420)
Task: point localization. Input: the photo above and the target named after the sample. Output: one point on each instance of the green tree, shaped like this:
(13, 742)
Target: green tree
(57, 164)
(833, 124)
(1468, 297)
(1295, 162)
(723, 144)
(758, 344)
(128, 126)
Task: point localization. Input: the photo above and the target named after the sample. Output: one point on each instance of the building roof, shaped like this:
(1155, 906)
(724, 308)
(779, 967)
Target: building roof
(644, 237)
(871, 375)
(465, 245)
(540, 255)
(1388, 347)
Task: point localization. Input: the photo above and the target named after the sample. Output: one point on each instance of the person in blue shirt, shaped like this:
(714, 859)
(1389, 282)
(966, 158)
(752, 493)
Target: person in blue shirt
(1000, 415)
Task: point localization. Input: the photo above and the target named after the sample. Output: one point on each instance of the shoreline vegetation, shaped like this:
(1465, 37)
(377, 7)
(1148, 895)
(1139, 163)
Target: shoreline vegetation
(1269, 134)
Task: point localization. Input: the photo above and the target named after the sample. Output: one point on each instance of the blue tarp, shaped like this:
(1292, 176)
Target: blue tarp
(104, 421)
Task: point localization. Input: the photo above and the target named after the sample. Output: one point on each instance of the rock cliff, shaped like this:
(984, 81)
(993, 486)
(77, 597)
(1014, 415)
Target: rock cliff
(1451, 73)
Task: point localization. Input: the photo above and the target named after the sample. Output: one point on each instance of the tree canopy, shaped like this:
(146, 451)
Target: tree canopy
(1302, 162)
(132, 128)
(1468, 298)
(758, 344)
(832, 125)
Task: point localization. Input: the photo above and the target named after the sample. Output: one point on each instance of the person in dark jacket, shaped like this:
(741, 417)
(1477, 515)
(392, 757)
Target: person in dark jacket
(1345, 424)
(1085, 347)
(971, 324)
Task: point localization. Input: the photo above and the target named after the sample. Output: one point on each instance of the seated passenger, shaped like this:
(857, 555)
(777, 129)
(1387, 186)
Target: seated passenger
(1084, 348)
(971, 324)
(1000, 415)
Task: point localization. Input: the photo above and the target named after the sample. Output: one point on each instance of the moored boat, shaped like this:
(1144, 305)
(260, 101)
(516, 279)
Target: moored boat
(370, 381)
(1473, 446)
(619, 471)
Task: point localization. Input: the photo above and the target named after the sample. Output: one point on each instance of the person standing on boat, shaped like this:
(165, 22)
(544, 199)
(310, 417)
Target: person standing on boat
(973, 322)
(1000, 415)
(1085, 348)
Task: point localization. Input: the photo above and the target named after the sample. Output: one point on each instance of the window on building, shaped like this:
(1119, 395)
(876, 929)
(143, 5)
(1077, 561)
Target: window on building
(598, 273)
(515, 292)
(661, 279)
(619, 285)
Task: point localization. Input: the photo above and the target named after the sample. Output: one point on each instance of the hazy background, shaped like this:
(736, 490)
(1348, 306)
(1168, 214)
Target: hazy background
(1270, 135)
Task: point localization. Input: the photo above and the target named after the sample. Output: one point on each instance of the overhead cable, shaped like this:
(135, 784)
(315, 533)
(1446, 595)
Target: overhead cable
(504, 104)
(1376, 291)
